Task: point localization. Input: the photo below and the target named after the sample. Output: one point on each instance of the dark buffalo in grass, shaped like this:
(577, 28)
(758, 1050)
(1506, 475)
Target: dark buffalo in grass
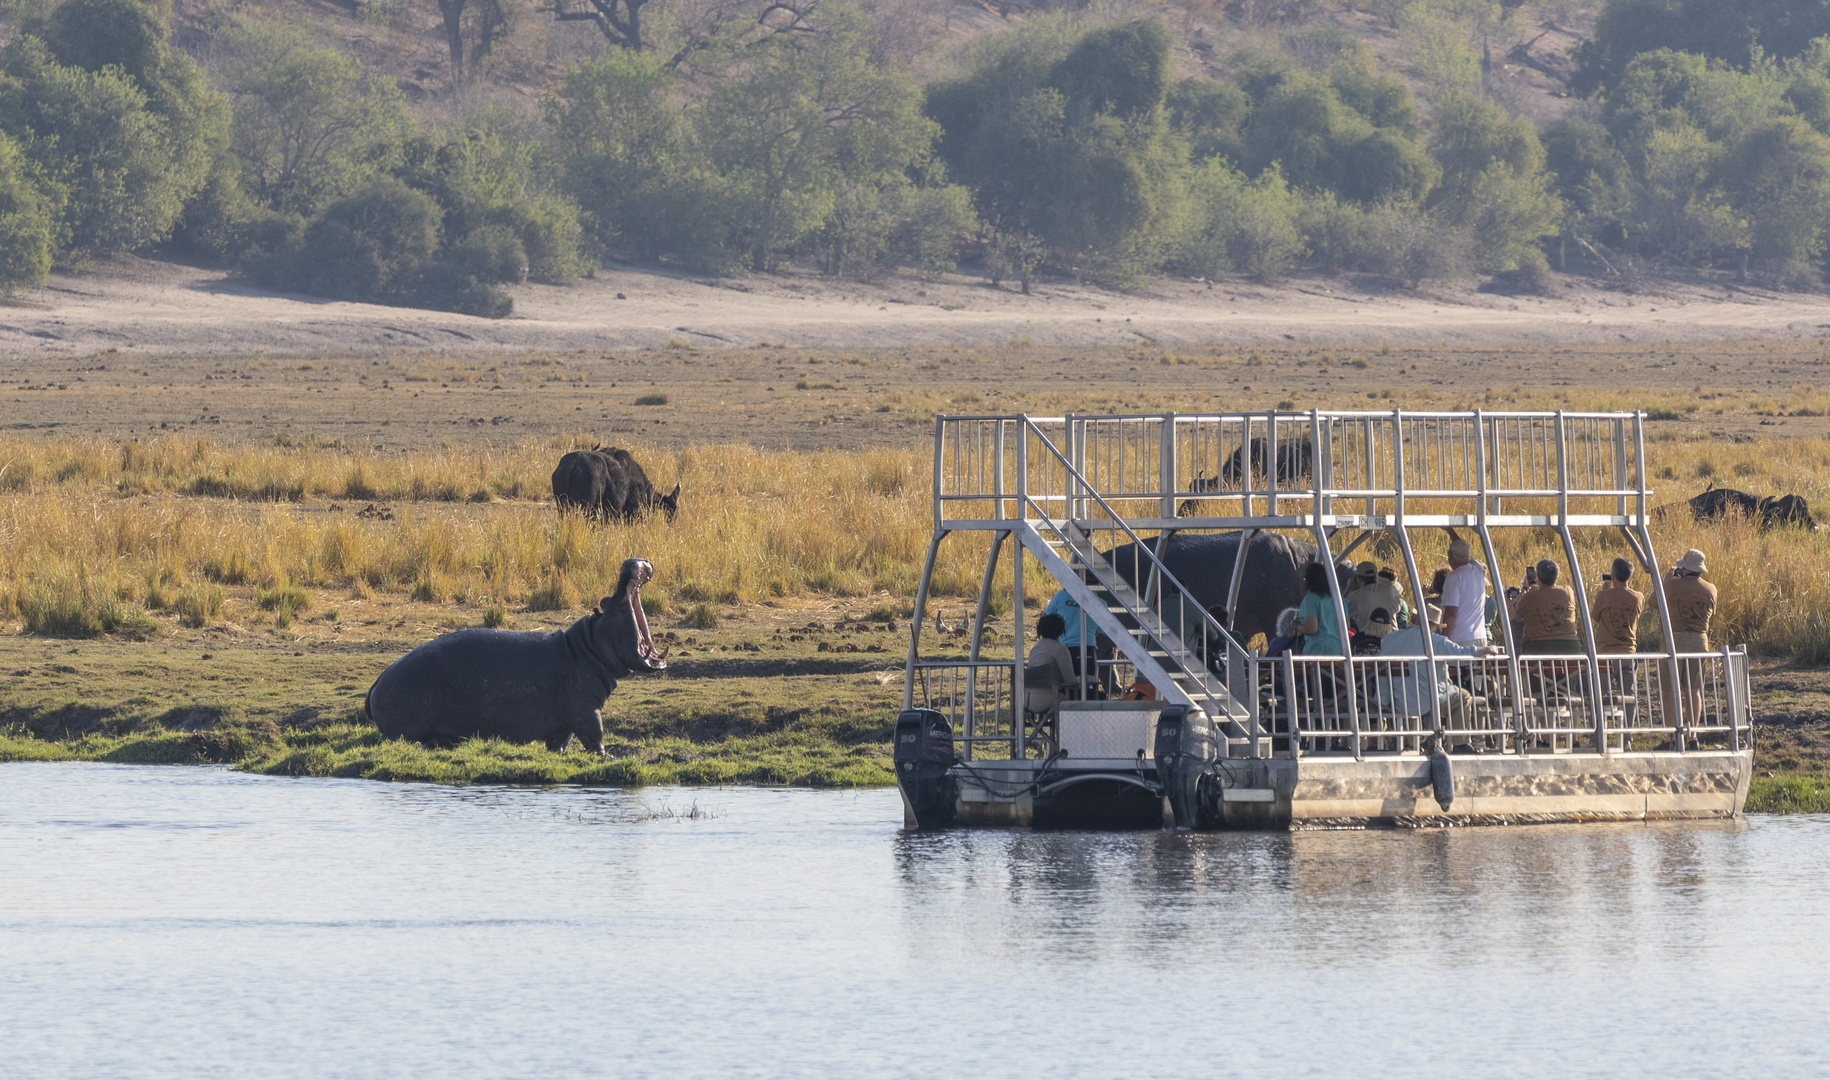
(522, 688)
(609, 483)
(1717, 503)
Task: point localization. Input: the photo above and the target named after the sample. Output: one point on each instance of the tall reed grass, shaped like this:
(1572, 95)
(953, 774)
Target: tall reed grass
(93, 532)
(472, 526)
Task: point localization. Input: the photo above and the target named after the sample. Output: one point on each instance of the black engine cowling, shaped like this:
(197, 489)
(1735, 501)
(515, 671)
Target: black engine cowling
(1186, 745)
(923, 757)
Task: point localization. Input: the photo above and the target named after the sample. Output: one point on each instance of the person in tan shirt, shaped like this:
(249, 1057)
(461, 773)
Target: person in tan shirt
(1692, 603)
(1547, 615)
(1616, 610)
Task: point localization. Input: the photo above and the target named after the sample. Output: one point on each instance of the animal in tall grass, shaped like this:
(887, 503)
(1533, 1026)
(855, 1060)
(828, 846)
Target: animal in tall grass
(608, 483)
(1294, 460)
(522, 688)
(1716, 503)
(1203, 563)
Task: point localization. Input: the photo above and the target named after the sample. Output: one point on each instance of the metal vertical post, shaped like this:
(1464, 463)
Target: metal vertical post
(997, 469)
(921, 606)
(1658, 589)
(1017, 689)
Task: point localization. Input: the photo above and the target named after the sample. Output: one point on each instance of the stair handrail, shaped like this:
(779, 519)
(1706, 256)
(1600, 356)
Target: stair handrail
(1207, 621)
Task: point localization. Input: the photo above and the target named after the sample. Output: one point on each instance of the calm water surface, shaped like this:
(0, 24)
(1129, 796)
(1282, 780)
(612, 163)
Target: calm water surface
(176, 922)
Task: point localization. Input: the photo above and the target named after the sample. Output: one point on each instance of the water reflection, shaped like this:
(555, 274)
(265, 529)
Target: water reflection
(187, 922)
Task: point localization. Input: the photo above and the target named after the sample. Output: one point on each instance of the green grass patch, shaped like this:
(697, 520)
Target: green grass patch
(727, 715)
(1805, 794)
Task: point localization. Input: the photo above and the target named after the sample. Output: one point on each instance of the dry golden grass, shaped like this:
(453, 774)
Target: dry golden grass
(95, 531)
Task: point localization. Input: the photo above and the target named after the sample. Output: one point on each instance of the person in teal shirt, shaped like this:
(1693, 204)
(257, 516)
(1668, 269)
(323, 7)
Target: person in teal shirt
(1065, 606)
(1316, 616)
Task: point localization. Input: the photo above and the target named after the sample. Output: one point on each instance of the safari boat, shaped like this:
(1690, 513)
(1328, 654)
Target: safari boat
(1148, 521)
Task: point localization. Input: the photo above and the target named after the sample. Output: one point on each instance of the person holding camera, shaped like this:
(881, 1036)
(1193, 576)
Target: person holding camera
(1692, 603)
(1615, 612)
(1546, 616)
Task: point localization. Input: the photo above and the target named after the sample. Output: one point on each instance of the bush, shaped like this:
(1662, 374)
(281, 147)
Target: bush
(93, 134)
(25, 225)
(700, 617)
(284, 599)
(1247, 226)
(78, 605)
(199, 605)
(371, 246)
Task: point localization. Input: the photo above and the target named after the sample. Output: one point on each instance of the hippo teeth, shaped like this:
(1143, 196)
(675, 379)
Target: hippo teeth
(644, 641)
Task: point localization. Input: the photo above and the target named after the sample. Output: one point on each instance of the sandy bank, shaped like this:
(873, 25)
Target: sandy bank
(164, 307)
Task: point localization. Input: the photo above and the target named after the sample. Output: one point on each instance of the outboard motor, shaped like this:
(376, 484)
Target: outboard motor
(923, 758)
(1186, 746)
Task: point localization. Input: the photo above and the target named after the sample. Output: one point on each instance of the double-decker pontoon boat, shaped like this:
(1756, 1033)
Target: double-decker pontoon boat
(1231, 738)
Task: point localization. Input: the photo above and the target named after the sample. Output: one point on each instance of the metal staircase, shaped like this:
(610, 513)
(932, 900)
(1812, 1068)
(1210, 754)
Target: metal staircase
(1135, 620)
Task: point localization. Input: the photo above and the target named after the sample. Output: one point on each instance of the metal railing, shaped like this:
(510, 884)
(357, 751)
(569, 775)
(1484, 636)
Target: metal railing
(1162, 616)
(1105, 493)
(1288, 464)
(1531, 704)
(975, 696)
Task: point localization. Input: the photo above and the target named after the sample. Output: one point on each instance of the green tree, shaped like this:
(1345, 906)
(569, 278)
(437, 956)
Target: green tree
(1778, 176)
(625, 155)
(797, 118)
(1735, 31)
(1243, 225)
(104, 154)
(310, 123)
(1063, 136)
(25, 223)
(1493, 181)
(483, 178)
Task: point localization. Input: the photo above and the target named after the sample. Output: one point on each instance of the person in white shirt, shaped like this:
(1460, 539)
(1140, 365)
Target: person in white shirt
(1464, 598)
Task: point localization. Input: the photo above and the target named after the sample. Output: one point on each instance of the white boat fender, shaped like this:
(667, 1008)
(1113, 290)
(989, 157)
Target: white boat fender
(1442, 778)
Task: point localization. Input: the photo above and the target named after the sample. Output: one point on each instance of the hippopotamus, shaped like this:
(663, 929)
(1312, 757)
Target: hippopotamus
(494, 684)
(1273, 580)
(609, 483)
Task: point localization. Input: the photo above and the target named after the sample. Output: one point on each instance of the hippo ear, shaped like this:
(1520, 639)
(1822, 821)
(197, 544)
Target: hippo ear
(674, 495)
(603, 605)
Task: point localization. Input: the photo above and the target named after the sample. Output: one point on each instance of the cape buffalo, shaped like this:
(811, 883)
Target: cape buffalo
(1203, 563)
(1786, 510)
(1716, 503)
(1295, 459)
(608, 483)
(492, 684)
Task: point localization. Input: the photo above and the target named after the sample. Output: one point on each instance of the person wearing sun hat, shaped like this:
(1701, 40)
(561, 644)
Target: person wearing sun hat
(1692, 603)
(1375, 592)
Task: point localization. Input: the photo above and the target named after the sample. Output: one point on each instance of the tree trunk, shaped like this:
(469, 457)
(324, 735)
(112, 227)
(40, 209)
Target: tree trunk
(453, 13)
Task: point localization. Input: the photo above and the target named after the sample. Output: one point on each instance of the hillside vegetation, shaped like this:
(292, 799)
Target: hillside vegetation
(1107, 143)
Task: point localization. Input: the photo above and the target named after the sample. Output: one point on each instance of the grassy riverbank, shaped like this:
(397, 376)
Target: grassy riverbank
(165, 596)
(742, 703)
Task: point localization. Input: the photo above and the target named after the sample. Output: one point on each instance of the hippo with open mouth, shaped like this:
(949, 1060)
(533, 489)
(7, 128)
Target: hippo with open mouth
(494, 684)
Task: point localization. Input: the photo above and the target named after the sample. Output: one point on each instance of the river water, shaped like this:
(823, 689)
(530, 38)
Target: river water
(184, 922)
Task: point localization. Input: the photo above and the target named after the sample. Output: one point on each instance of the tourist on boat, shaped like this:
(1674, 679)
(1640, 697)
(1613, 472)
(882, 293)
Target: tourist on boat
(1692, 602)
(1547, 616)
(1464, 597)
(1069, 609)
(1049, 652)
(1615, 611)
(1315, 615)
(1287, 637)
(1375, 592)
(1400, 686)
